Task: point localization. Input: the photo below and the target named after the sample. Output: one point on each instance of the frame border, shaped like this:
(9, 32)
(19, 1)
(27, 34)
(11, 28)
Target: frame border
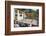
(8, 16)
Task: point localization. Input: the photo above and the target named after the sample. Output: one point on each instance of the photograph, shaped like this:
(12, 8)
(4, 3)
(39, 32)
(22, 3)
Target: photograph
(26, 17)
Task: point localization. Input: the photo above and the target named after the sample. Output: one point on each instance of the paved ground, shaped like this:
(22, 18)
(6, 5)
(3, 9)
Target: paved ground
(27, 22)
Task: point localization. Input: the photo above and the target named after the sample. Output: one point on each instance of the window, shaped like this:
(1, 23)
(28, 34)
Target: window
(21, 15)
(15, 14)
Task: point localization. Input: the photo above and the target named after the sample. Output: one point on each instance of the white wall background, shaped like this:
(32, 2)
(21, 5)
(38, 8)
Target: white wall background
(2, 18)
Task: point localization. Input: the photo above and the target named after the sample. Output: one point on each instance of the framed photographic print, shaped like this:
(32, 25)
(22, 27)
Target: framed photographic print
(24, 17)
